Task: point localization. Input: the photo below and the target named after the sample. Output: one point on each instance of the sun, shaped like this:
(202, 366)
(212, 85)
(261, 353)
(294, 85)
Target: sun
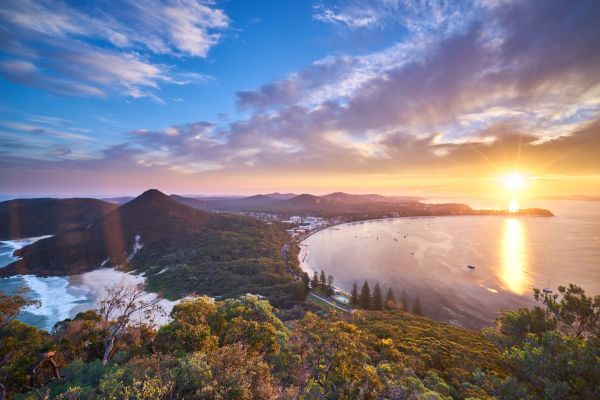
(514, 181)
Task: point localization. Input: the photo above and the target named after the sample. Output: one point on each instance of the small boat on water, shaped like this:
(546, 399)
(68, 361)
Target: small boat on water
(547, 289)
(471, 266)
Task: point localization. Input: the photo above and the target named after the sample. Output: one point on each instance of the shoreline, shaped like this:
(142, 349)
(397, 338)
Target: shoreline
(492, 214)
(457, 310)
(97, 281)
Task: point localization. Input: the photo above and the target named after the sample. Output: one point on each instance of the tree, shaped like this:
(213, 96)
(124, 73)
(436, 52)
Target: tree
(576, 313)
(315, 281)
(241, 374)
(189, 330)
(329, 288)
(417, 310)
(558, 366)
(12, 304)
(354, 295)
(405, 302)
(252, 322)
(323, 280)
(364, 300)
(119, 305)
(334, 360)
(552, 350)
(390, 299)
(306, 282)
(377, 303)
(513, 327)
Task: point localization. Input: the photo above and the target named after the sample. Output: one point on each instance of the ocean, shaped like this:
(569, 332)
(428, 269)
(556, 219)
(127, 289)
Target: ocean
(63, 297)
(59, 300)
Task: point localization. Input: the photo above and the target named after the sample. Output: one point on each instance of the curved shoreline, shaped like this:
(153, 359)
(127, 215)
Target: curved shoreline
(306, 267)
(491, 214)
(461, 312)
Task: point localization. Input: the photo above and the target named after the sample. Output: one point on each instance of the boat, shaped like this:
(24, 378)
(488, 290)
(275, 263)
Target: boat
(471, 266)
(547, 289)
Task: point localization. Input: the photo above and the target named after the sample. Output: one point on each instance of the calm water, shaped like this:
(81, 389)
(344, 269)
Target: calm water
(428, 257)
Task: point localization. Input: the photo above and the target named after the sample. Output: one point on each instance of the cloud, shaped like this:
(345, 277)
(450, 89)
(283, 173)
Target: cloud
(339, 77)
(60, 151)
(475, 100)
(352, 17)
(464, 93)
(105, 51)
(45, 130)
(416, 16)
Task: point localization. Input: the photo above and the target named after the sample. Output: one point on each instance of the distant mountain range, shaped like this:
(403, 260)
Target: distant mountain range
(285, 202)
(281, 196)
(181, 250)
(333, 204)
(23, 218)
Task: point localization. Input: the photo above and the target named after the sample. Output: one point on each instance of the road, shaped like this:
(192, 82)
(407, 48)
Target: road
(331, 303)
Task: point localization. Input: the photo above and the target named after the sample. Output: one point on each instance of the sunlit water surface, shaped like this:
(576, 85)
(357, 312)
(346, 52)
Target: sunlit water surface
(428, 257)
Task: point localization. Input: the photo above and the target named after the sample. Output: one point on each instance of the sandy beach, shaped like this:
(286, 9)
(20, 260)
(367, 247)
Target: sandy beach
(98, 281)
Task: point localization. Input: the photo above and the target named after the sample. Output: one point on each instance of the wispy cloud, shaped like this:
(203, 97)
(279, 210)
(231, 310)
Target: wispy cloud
(416, 16)
(103, 52)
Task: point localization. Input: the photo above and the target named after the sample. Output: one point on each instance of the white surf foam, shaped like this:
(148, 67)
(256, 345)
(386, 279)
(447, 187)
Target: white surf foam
(20, 243)
(57, 300)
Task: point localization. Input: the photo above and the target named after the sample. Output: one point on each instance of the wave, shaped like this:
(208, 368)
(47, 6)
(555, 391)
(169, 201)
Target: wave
(62, 296)
(20, 243)
(57, 297)
(8, 247)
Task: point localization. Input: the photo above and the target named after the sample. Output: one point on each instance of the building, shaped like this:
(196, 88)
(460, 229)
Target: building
(295, 219)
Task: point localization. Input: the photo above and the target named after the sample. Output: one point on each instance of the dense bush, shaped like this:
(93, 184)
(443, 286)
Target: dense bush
(239, 349)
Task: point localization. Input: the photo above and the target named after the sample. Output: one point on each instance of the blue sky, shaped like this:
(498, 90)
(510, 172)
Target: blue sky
(395, 96)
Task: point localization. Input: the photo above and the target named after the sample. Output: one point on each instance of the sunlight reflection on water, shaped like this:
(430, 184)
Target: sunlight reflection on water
(513, 205)
(514, 257)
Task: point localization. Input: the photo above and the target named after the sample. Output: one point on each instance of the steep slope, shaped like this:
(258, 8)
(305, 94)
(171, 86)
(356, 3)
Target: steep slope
(23, 218)
(180, 249)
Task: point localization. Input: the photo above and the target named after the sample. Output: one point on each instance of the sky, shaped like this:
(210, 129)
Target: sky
(402, 97)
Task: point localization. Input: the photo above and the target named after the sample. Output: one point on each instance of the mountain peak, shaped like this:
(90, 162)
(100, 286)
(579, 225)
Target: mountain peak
(152, 193)
(154, 198)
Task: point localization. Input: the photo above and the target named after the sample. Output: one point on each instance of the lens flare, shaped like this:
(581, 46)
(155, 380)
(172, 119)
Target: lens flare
(514, 181)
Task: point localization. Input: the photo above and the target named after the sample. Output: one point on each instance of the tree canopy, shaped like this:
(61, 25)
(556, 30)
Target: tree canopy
(238, 348)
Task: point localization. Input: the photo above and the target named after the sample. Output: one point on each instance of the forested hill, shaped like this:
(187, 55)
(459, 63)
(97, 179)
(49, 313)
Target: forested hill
(23, 218)
(180, 249)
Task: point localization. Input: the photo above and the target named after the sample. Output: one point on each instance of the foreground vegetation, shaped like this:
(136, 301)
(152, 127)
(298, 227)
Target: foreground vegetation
(239, 349)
